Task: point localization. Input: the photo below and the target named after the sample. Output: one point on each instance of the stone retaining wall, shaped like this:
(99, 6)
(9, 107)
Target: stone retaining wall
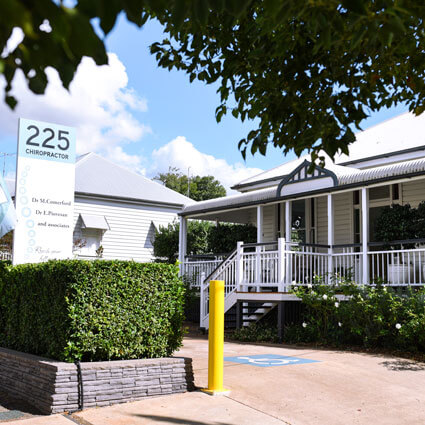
(52, 386)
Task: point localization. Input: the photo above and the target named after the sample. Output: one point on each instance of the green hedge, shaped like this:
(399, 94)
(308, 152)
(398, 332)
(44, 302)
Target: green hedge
(91, 310)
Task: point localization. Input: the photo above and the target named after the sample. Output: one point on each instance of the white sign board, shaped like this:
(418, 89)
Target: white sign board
(44, 197)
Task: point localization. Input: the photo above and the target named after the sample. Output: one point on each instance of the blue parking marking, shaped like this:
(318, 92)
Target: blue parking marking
(269, 360)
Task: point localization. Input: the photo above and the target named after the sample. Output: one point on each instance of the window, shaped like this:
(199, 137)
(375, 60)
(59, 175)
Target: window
(312, 220)
(356, 225)
(379, 193)
(92, 239)
(298, 221)
(395, 192)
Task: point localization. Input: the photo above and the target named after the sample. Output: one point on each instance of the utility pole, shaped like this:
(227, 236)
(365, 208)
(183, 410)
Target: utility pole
(188, 182)
(4, 155)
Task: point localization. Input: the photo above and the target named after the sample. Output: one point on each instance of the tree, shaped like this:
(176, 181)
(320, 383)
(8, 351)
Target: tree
(6, 241)
(203, 237)
(58, 36)
(200, 188)
(308, 71)
(166, 243)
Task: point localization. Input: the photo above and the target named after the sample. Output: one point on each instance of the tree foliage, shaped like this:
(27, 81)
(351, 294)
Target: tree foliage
(58, 35)
(309, 71)
(203, 237)
(200, 188)
(400, 223)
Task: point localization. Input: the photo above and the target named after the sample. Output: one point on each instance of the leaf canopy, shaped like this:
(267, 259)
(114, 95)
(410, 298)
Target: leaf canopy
(307, 71)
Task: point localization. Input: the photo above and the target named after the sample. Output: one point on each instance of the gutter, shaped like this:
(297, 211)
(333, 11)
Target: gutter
(87, 195)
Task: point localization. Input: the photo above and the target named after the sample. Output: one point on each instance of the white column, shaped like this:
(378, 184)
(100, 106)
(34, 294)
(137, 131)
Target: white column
(365, 234)
(288, 239)
(259, 240)
(259, 223)
(331, 238)
(239, 266)
(182, 242)
(202, 300)
(281, 266)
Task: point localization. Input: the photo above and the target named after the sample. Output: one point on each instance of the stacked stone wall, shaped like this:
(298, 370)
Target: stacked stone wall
(53, 387)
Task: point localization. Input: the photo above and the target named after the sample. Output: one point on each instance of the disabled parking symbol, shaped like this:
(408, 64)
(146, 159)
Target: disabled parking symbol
(269, 360)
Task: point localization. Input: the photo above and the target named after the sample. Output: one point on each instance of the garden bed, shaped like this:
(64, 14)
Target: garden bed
(54, 387)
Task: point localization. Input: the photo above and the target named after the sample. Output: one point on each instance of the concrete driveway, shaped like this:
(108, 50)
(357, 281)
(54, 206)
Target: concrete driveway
(338, 388)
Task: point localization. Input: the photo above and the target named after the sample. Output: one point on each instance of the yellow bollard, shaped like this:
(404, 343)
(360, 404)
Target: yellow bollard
(216, 339)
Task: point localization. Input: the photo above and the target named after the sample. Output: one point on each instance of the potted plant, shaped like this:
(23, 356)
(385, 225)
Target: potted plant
(396, 224)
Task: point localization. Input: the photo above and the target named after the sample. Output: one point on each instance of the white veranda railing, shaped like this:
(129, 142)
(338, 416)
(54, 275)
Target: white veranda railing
(277, 266)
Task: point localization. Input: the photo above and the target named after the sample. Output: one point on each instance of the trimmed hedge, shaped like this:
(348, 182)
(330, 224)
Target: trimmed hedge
(91, 310)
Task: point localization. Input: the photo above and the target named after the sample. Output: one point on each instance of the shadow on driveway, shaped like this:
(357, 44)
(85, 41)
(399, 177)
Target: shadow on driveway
(402, 365)
(173, 420)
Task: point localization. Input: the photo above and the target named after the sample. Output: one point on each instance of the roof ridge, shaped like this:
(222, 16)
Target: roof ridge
(267, 171)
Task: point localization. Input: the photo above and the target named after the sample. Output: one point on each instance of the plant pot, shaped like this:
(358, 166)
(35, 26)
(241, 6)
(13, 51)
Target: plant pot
(400, 273)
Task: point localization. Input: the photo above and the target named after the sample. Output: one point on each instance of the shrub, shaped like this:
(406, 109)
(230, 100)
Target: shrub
(371, 316)
(256, 333)
(92, 311)
(203, 237)
(223, 238)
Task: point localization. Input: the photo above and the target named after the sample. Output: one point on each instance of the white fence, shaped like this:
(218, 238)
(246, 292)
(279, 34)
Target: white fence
(280, 265)
(5, 255)
(402, 267)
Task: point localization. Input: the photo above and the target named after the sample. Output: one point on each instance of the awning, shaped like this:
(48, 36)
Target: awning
(94, 222)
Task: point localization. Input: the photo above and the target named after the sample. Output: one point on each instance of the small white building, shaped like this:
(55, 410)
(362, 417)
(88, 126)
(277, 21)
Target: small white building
(314, 221)
(116, 211)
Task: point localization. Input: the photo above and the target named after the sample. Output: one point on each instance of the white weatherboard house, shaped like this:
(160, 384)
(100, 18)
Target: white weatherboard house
(118, 210)
(332, 212)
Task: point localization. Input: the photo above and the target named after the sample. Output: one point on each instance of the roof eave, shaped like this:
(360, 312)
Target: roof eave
(128, 200)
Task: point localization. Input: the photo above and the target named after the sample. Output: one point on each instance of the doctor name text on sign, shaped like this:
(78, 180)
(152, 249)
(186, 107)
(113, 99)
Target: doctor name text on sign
(45, 180)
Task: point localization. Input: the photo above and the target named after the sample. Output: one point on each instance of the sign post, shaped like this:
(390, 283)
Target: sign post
(44, 196)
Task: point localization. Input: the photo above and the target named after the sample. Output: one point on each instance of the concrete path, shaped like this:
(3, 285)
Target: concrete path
(340, 388)
(193, 408)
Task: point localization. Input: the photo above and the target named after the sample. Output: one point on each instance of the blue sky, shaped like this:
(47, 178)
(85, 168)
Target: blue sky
(144, 117)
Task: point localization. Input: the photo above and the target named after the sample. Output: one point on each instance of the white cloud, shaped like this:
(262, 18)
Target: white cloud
(99, 104)
(14, 40)
(131, 162)
(182, 154)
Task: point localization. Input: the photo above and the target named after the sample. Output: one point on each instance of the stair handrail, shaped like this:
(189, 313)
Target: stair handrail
(204, 289)
(210, 276)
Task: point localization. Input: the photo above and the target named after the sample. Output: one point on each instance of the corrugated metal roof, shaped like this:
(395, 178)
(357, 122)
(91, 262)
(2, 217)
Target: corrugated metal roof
(375, 173)
(233, 200)
(98, 176)
(279, 171)
(95, 175)
(285, 169)
(387, 137)
(345, 176)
